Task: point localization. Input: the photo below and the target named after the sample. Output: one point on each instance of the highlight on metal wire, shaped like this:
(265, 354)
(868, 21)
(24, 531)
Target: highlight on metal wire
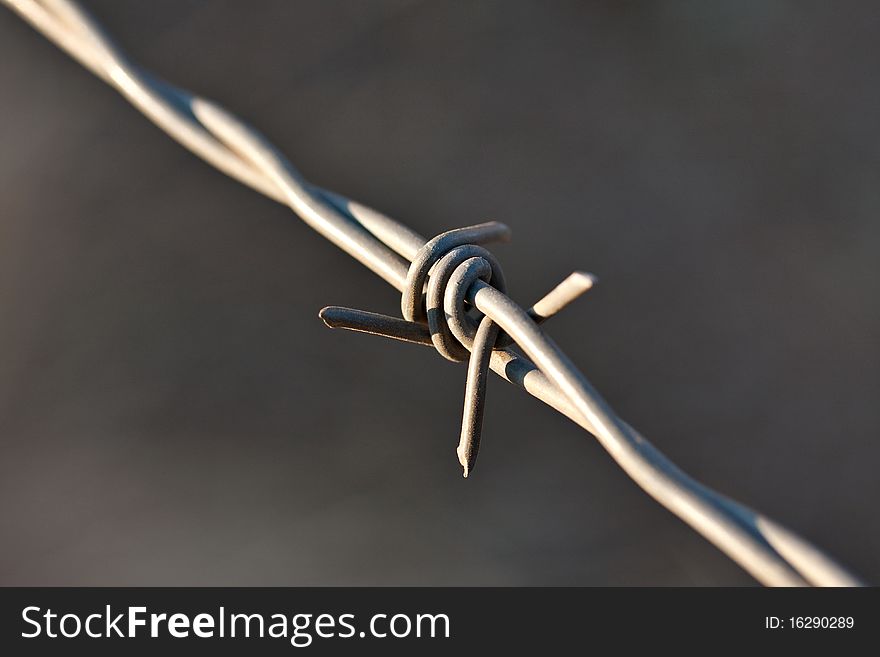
(453, 299)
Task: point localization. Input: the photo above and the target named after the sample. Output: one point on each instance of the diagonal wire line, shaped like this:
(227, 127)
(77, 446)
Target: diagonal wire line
(769, 552)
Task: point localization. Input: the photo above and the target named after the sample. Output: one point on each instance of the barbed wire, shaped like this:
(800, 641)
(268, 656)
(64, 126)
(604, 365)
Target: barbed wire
(464, 313)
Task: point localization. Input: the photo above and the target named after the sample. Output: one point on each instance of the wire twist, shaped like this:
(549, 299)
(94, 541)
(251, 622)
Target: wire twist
(400, 256)
(450, 264)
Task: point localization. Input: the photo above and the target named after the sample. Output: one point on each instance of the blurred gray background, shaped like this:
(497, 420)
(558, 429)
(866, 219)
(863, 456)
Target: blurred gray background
(172, 411)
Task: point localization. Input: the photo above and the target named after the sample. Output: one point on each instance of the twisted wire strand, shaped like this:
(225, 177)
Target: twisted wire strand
(768, 551)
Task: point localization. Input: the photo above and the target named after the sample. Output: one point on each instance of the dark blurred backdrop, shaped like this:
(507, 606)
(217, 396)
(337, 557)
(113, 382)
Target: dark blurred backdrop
(172, 411)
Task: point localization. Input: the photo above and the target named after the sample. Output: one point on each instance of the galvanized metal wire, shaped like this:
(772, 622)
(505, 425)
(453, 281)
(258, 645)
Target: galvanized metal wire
(465, 313)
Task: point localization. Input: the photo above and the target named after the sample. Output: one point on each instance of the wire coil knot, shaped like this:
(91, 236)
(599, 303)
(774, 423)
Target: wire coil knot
(436, 313)
(450, 263)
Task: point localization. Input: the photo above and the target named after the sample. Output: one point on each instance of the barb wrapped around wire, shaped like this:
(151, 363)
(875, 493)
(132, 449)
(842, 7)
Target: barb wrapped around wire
(451, 263)
(463, 279)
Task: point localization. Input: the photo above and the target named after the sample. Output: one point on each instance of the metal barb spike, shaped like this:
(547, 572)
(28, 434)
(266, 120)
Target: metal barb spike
(486, 339)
